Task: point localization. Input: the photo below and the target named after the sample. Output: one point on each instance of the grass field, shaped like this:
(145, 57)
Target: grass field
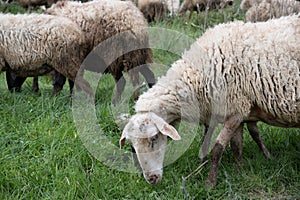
(42, 155)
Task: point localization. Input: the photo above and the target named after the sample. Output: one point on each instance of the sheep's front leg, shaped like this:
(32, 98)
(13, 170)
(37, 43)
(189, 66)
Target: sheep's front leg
(58, 81)
(14, 82)
(35, 84)
(134, 77)
(231, 125)
(120, 84)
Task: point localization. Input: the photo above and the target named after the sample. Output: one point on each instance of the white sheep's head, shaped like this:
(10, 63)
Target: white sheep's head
(148, 134)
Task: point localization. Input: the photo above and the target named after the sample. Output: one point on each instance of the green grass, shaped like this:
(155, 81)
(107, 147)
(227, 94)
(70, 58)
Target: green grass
(42, 155)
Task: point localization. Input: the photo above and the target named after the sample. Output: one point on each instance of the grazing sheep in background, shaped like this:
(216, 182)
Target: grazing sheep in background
(35, 3)
(202, 5)
(173, 6)
(153, 10)
(35, 44)
(235, 73)
(100, 20)
(272, 9)
(246, 4)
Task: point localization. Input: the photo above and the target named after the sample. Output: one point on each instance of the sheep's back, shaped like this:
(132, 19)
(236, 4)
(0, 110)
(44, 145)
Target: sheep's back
(255, 63)
(101, 19)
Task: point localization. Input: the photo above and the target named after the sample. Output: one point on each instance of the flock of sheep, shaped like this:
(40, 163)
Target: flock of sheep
(249, 70)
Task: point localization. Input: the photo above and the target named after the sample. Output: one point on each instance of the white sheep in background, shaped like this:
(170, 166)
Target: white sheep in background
(202, 5)
(34, 44)
(173, 6)
(246, 4)
(235, 73)
(157, 9)
(268, 9)
(153, 10)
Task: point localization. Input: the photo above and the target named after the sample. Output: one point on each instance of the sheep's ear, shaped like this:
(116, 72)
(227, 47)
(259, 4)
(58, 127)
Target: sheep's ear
(165, 128)
(122, 139)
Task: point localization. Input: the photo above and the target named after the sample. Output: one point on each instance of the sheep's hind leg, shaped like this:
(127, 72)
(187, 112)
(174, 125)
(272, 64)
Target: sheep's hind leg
(82, 84)
(231, 125)
(254, 132)
(85, 86)
(148, 74)
(58, 83)
(71, 85)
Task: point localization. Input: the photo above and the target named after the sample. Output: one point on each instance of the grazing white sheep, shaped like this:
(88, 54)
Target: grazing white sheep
(34, 44)
(235, 73)
(272, 9)
(246, 4)
(173, 6)
(153, 10)
(202, 5)
(35, 3)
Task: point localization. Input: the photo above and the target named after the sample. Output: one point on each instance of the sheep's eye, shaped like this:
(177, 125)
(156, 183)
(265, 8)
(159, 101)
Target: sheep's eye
(153, 138)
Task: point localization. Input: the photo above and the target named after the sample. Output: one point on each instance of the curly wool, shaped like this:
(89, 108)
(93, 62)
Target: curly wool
(30, 40)
(102, 19)
(250, 69)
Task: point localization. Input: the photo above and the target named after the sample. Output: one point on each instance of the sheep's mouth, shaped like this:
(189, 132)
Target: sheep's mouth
(154, 179)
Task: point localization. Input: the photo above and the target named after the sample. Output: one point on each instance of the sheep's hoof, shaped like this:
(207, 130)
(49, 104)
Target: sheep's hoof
(204, 159)
(35, 89)
(267, 154)
(209, 184)
(56, 89)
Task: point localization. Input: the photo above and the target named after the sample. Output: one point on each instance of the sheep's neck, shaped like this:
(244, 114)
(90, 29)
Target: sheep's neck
(181, 98)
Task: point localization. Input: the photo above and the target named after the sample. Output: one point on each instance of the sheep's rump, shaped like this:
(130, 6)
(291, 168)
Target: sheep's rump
(29, 41)
(256, 64)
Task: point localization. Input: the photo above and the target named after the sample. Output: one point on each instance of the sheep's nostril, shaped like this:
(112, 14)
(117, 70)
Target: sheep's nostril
(154, 179)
